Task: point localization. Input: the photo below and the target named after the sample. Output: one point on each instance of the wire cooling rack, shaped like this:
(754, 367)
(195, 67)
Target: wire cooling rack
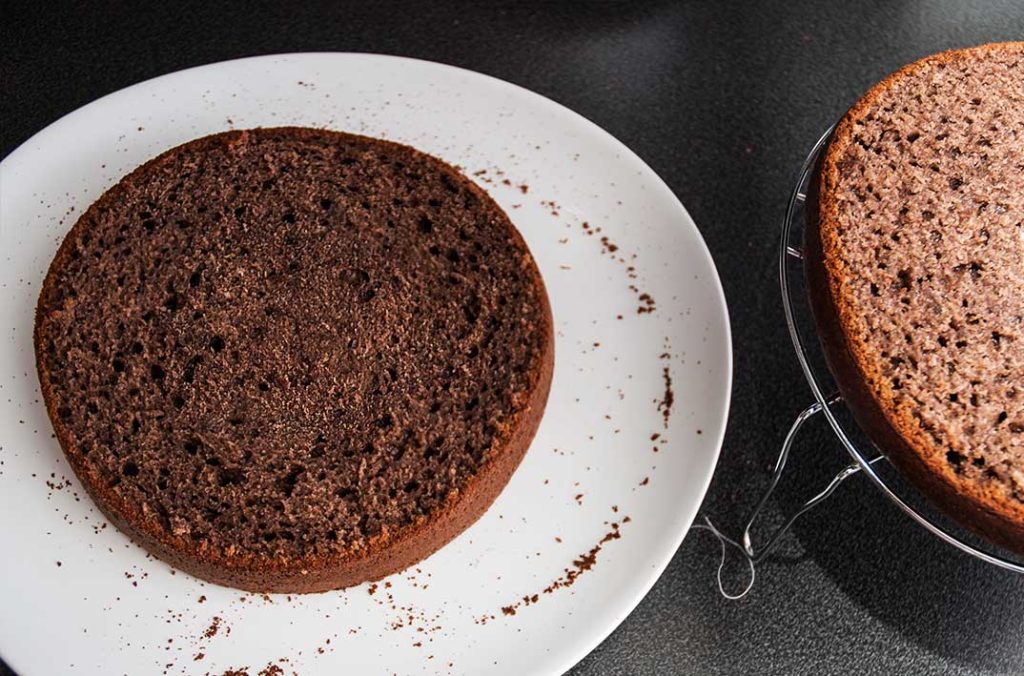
(867, 459)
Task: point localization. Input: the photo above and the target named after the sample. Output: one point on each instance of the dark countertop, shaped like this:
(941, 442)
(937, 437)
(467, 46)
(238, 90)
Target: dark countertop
(723, 100)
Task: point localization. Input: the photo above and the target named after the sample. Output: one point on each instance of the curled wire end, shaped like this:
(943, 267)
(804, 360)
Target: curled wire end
(725, 540)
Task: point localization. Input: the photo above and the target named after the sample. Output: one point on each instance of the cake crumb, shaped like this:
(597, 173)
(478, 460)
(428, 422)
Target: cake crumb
(214, 627)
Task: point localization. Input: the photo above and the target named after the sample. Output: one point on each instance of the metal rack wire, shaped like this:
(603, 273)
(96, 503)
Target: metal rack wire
(866, 458)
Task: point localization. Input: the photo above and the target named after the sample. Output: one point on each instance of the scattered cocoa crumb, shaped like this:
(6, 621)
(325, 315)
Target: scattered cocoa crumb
(668, 398)
(505, 181)
(579, 499)
(654, 437)
(647, 304)
(202, 599)
(580, 565)
(645, 481)
(607, 246)
(372, 589)
(524, 188)
(198, 657)
(552, 206)
(59, 564)
(271, 670)
(211, 631)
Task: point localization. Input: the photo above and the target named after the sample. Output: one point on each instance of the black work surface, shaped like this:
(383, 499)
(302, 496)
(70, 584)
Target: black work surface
(723, 100)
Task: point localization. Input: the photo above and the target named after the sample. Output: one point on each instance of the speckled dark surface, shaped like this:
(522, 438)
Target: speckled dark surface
(722, 100)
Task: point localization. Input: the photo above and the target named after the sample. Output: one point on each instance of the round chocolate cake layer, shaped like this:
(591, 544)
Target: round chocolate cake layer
(916, 272)
(293, 359)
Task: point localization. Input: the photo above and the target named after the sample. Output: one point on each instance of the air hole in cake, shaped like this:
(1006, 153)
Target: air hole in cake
(217, 343)
(230, 477)
(130, 469)
(955, 460)
(472, 308)
(157, 372)
(355, 277)
(289, 481)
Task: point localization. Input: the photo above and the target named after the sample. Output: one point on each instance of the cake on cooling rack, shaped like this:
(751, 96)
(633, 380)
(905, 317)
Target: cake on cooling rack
(291, 359)
(915, 265)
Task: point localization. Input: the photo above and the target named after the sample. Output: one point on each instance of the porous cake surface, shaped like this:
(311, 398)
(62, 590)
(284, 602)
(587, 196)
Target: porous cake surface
(292, 359)
(921, 243)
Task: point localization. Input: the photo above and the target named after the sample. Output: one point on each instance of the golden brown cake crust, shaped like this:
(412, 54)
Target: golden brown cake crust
(910, 399)
(466, 484)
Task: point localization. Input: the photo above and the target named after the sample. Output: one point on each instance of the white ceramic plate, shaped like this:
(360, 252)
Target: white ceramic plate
(79, 597)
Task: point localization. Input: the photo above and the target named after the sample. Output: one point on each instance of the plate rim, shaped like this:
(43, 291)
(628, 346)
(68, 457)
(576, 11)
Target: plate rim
(583, 644)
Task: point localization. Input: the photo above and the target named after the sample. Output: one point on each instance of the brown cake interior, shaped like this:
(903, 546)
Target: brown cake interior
(920, 248)
(273, 348)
